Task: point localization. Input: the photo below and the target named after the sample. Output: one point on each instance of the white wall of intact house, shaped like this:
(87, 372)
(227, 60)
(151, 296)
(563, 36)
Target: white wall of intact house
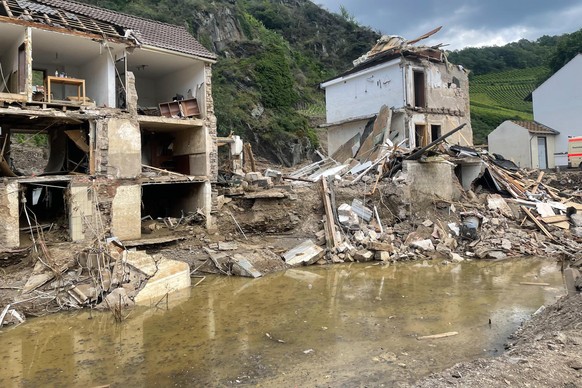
(517, 144)
(512, 141)
(557, 103)
(363, 93)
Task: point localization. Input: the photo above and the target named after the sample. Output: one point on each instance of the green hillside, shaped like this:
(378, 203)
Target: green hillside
(496, 97)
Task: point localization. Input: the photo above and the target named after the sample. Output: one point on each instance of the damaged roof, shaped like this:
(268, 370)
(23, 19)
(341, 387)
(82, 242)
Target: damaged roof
(390, 47)
(536, 128)
(88, 18)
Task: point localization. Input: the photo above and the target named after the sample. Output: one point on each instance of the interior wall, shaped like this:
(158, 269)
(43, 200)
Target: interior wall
(9, 61)
(146, 91)
(99, 75)
(184, 82)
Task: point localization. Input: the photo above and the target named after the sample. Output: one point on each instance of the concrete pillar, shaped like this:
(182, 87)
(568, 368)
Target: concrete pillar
(124, 148)
(126, 212)
(80, 211)
(9, 233)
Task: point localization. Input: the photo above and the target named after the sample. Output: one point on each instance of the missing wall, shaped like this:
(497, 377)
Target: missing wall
(173, 200)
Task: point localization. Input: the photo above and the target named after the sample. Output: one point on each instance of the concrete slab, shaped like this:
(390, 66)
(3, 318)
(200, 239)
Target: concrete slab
(242, 267)
(305, 253)
(171, 276)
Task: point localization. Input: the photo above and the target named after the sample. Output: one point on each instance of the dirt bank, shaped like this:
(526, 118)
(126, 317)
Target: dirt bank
(545, 352)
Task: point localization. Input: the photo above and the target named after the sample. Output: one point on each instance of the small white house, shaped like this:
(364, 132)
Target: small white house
(528, 144)
(557, 103)
(428, 96)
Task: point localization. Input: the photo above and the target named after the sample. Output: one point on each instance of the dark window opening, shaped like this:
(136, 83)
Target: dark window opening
(419, 89)
(435, 132)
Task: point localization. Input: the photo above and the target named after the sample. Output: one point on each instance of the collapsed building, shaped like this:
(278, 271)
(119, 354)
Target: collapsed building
(125, 106)
(427, 95)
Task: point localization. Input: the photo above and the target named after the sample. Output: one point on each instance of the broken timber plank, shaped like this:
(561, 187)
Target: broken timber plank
(535, 220)
(533, 284)
(537, 183)
(437, 336)
(555, 219)
(330, 228)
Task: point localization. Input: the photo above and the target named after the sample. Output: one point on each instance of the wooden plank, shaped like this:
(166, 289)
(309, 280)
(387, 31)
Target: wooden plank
(376, 136)
(537, 183)
(577, 206)
(535, 220)
(346, 151)
(555, 219)
(563, 225)
(437, 336)
(330, 229)
(533, 284)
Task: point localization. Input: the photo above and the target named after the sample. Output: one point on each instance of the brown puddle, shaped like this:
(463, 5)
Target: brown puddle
(341, 325)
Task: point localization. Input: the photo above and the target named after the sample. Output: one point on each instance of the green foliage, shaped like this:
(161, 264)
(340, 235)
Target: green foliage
(568, 47)
(346, 15)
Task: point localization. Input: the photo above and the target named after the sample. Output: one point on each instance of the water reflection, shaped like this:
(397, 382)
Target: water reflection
(326, 326)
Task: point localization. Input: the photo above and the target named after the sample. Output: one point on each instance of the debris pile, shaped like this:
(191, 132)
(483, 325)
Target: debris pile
(105, 276)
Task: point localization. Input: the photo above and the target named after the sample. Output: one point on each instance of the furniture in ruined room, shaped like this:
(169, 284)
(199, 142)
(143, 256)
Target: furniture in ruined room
(180, 108)
(79, 83)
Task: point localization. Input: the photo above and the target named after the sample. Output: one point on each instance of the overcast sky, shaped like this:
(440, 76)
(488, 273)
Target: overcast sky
(465, 22)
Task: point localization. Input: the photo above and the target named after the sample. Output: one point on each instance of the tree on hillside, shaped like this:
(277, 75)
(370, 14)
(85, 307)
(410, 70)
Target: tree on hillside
(568, 47)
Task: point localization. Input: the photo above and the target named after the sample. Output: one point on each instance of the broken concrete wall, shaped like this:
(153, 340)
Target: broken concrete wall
(126, 212)
(81, 210)
(446, 98)
(9, 233)
(447, 123)
(338, 135)
(432, 181)
(123, 148)
(210, 123)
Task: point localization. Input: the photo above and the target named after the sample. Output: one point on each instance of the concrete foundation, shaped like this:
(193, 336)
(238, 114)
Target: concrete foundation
(430, 181)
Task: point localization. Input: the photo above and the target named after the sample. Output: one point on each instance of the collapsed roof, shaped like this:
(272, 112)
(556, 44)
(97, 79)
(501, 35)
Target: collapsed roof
(72, 15)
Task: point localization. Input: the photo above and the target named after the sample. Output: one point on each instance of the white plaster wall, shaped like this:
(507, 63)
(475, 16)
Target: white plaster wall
(99, 75)
(180, 82)
(365, 93)
(9, 60)
(513, 142)
(557, 103)
(126, 213)
(340, 134)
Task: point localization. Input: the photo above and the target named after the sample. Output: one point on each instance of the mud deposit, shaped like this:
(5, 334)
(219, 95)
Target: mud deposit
(342, 325)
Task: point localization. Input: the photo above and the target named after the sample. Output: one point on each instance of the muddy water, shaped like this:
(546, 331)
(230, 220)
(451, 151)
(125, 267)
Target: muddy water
(342, 325)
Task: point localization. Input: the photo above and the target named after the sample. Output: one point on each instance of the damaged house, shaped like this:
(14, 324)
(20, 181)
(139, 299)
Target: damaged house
(125, 106)
(428, 97)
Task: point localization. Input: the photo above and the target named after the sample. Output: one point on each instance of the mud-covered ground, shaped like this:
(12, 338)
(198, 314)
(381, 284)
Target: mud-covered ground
(545, 352)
